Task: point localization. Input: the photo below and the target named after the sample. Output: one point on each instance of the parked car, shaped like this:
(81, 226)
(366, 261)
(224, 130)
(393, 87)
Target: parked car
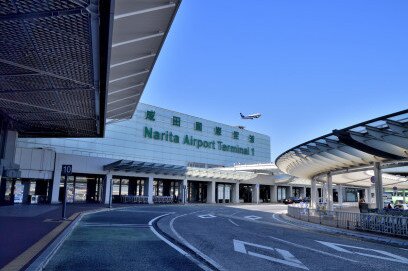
(292, 200)
(306, 199)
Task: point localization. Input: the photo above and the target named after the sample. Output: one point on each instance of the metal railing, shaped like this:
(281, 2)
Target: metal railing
(133, 199)
(386, 224)
(164, 199)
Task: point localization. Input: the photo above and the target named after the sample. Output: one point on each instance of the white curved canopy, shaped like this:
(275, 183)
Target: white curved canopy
(383, 139)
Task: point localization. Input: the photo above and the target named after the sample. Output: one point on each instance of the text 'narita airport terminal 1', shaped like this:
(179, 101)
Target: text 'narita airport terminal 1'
(198, 143)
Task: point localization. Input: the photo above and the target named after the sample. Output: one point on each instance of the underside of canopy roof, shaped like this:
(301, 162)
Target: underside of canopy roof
(174, 170)
(139, 31)
(54, 67)
(384, 139)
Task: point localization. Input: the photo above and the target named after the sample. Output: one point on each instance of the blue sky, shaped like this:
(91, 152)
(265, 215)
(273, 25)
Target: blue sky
(308, 66)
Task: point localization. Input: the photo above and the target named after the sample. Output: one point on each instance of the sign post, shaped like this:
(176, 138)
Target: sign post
(66, 171)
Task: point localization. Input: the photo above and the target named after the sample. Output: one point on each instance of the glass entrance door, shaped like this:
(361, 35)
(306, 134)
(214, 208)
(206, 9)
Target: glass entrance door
(197, 192)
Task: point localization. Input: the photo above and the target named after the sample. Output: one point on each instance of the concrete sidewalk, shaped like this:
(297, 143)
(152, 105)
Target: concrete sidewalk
(22, 226)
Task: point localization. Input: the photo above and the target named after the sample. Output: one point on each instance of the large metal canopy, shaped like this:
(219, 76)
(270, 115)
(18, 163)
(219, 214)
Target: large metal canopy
(145, 167)
(384, 139)
(139, 30)
(174, 170)
(54, 59)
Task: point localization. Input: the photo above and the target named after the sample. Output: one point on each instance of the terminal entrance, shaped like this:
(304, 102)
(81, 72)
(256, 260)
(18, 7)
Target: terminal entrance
(245, 193)
(82, 189)
(197, 192)
(167, 188)
(281, 193)
(223, 193)
(264, 193)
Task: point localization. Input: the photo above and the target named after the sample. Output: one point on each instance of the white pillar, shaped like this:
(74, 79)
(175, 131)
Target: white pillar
(107, 188)
(211, 192)
(150, 190)
(379, 201)
(56, 180)
(340, 194)
(235, 193)
(313, 194)
(255, 193)
(329, 192)
(367, 195)
(325, 195)
(303, 194)
(274, 193)
(290, 193)
(184, 191)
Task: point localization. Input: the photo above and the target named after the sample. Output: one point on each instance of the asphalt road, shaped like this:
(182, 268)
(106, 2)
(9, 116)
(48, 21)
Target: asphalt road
(215, 237)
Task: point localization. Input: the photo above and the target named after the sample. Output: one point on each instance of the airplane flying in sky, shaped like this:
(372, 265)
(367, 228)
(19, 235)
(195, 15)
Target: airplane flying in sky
(250, 117)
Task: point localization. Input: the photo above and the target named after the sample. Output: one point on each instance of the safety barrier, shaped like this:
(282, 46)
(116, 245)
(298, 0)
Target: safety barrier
(134, 199)
(387, 224)
(163, 199)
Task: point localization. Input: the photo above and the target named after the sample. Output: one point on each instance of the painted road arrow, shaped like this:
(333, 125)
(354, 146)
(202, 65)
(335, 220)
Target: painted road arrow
(288, 258)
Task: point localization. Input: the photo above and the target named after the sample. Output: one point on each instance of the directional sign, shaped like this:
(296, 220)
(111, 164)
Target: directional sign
(207, 216)
(373, 253)
(66, 170)
(286, 257)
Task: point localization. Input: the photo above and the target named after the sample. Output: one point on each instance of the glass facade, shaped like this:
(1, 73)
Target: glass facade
(82, 189)
(128, 140)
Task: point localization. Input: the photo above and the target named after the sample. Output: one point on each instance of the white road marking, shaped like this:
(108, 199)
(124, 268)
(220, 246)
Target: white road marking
(390, 256)
(207, 216)
(190, 246)
(233, 222)
(288, 258)
(312, 249)
(86, 224)
(180, 250)
(253, 217)
(403, 248)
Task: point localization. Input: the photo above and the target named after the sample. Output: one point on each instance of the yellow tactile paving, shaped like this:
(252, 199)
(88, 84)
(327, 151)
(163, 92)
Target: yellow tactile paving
(24, 258)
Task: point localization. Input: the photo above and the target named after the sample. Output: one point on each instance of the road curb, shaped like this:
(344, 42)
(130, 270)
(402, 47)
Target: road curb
(369, 237)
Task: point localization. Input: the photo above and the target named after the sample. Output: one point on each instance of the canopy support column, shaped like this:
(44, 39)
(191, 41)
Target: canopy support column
(274, 193)
(340, 194)
(150, 190)
(313, 194)
(235, 193)
(329, 192)
(379, 201)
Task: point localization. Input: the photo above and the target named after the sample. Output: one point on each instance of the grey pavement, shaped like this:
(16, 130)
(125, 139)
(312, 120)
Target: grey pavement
(247, 237)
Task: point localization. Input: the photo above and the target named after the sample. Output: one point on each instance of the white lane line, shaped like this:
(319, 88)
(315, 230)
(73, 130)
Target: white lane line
(141, 211)
(113, 225)
(403, 248)
(236, 213)
(280, 220)
(233, 222)
(312, 249)
(207, 216)
(180, 250)
(190, 246)
(388, 256)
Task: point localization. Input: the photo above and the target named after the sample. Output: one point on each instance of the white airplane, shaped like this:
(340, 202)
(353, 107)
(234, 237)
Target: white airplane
(250, 117)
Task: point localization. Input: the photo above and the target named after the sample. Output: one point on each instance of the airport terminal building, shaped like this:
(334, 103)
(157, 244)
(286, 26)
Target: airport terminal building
(157, 156)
